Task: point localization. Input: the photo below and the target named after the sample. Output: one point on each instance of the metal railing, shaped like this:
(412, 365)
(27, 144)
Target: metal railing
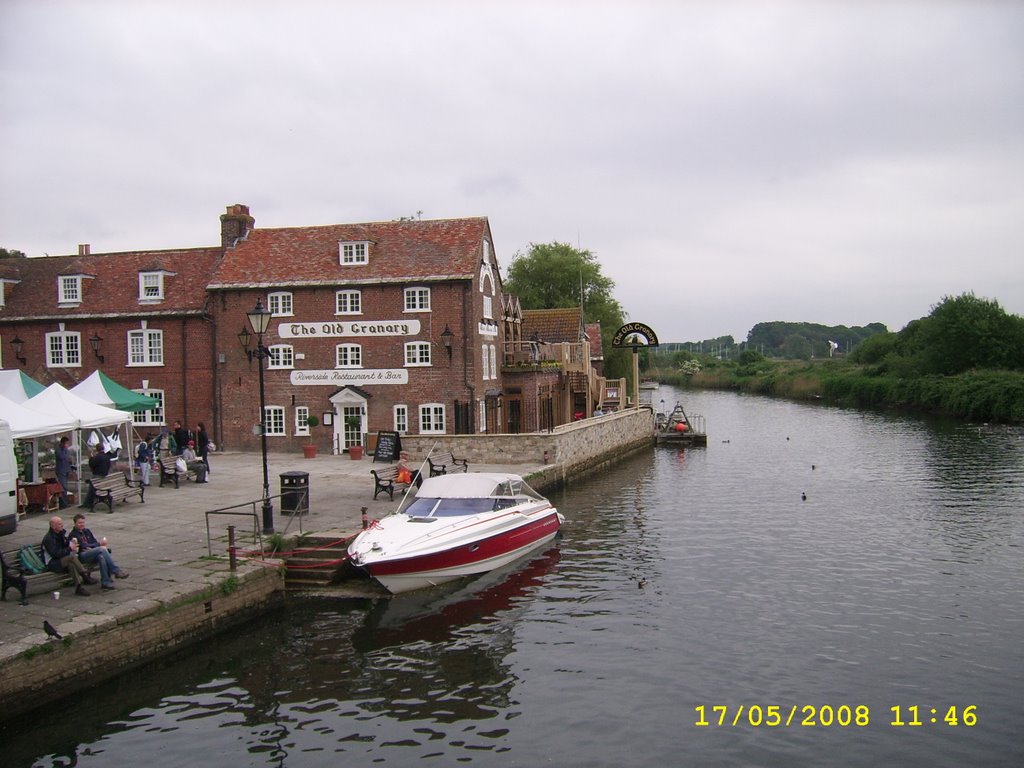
(253, 510)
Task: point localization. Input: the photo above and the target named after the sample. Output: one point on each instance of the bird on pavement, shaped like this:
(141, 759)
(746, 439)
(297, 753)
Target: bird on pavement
(50, 630)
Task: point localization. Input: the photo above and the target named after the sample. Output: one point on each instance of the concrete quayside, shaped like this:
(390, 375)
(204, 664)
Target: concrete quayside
(182, 588)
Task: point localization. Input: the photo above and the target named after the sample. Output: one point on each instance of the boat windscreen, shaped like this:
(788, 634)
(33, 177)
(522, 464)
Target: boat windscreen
(449, 507)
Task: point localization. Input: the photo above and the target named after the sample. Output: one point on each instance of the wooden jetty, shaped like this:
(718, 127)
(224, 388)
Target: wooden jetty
(677, 428)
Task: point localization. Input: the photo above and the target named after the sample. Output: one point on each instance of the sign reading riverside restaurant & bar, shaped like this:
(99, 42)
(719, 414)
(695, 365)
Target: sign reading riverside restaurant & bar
(360, 377)
(348, 328)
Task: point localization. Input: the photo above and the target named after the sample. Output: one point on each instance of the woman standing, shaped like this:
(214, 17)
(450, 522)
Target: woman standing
(203, 445)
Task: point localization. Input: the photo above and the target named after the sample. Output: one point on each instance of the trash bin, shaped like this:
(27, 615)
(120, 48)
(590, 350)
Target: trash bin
(295, 493)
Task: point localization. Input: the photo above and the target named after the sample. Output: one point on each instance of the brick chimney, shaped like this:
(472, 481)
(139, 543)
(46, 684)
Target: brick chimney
(83, 249)
(235, 225)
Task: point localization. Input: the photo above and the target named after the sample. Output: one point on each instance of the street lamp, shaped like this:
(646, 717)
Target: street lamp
(259, 319)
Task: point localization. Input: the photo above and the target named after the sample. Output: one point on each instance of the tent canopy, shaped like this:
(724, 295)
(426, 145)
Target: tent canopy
(103, 390)
(26, 423)
(16, 386)
(58, 403)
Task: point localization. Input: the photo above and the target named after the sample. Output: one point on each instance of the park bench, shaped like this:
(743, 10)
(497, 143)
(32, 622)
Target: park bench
(444, 463)
(385, 481)
(15, 576)
(169, 471)
(114, 487)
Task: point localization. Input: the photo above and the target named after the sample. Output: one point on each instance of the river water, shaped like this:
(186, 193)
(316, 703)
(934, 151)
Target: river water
(817, 567)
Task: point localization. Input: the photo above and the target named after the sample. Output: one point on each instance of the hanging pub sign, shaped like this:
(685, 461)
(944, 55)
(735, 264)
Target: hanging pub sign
(626, 336)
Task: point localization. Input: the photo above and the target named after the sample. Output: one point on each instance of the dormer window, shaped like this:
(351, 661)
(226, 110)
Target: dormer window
(151, 286)
(69, 289)
(355, 252)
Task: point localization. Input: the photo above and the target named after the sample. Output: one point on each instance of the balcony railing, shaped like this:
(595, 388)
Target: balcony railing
(571, 357)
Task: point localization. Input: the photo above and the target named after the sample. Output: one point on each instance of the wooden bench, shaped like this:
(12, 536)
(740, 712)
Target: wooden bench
(169, 471)
(115, 487)
(385, 480)
(443, 463)
(16, 577)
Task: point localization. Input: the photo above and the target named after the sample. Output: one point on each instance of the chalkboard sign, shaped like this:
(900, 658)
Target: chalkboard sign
(388, 446)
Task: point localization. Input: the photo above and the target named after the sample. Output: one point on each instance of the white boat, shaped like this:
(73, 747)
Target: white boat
(458, 525)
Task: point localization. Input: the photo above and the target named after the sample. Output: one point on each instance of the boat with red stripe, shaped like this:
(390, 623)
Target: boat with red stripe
(458, 525)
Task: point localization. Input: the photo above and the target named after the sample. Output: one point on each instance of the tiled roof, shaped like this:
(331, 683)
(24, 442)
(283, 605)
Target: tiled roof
(398, 250)
(111, 285)
(553, 326)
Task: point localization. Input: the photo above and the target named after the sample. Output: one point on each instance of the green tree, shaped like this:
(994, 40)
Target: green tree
(555, 275)
(968, 332)
(11, 254)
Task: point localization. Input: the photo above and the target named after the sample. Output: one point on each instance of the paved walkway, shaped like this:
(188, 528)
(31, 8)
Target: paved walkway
(163, 542)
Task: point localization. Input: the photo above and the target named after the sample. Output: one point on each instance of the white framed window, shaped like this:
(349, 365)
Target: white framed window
(348, 303)
(348, 356)
(485, 363)
(273, 418)
(432, 419)
(281, 356)
(145, 347)
(353, 252)
(482, 415)
(63, 350)
(494, 361)
(417, 299)
(301, 420)
(280, 303)
(151, 286)
(69, 289)
(417, 353)
(488, 308)
(153, 417)
(401, 419)
(3, 293)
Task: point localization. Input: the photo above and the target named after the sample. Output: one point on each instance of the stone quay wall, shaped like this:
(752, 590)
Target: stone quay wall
(568, 451)
(123, 640)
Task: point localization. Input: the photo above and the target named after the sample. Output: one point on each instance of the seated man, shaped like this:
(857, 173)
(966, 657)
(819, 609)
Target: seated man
(92, 551)
(62, 555)
(193, 462)
(99, 466)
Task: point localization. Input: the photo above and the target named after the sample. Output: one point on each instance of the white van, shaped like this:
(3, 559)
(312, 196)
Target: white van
(8, 481)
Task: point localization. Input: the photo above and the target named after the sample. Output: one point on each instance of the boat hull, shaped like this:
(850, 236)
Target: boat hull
(465, 559)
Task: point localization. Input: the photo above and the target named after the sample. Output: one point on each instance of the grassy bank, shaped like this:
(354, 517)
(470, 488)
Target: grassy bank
(994, 396)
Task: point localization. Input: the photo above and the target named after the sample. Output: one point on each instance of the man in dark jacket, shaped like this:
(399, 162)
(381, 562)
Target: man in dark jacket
(62, 556)
(99, 466)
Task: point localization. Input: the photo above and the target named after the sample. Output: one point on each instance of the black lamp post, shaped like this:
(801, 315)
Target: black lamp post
(259, 319)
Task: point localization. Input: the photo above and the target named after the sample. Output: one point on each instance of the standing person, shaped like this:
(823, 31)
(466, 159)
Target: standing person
(143, 460)
(165, 444)
(62, 555)
(63, 469)
(181, 437)
(203, 445)
(91, 550)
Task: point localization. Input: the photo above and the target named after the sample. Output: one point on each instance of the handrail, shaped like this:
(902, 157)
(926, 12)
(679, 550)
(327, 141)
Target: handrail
(233, 510)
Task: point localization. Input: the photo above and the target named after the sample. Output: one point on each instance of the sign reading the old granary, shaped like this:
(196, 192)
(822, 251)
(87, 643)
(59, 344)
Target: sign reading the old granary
(624, 337)
(359, 377)
(343, 328)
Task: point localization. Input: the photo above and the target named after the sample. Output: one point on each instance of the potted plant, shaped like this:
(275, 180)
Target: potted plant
(309, 450)
(353, 422)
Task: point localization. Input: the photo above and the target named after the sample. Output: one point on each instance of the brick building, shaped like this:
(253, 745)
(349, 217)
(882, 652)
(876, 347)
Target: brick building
(398, 326)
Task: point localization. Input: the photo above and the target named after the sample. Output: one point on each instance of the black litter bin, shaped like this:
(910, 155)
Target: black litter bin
(295, 493)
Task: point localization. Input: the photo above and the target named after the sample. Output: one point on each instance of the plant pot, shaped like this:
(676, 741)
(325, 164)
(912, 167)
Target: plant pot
(309, 451)
(355, 452)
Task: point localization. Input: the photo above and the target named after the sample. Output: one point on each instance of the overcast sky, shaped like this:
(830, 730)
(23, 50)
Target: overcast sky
(726, 162)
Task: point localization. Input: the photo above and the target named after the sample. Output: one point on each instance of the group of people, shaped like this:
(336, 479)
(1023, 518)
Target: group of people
(72, 552)
(193, 446)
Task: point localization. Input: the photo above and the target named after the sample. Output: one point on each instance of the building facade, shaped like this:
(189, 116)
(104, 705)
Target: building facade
(389, 326)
